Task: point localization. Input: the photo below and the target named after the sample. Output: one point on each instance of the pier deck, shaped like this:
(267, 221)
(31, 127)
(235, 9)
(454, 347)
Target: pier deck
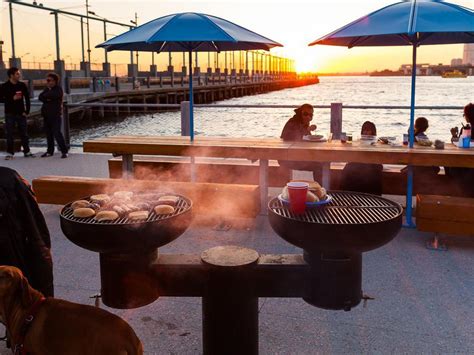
(423, 299)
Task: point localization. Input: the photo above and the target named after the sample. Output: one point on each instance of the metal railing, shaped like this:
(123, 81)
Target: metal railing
(336, 111)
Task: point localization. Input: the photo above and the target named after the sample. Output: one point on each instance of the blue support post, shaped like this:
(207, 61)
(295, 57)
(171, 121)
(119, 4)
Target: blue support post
(191, 109)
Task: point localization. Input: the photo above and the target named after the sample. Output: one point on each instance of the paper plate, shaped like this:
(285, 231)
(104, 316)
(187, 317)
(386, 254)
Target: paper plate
(309, 204)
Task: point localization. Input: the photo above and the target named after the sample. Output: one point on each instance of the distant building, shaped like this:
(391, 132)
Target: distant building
(456, 62)
(468, 54)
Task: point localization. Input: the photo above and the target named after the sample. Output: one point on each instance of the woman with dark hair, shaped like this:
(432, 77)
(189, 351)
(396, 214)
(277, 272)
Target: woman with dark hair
(294, 130)
(362, 177)
(463, 177)
(24, 236)
(421, 126)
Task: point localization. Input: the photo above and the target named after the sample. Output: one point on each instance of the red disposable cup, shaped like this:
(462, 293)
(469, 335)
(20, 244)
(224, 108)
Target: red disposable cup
(297, 192)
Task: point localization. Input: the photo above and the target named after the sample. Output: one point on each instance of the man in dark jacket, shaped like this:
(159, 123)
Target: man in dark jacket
(294, 130)
(52, 109)
(24, 236)
(16, 97)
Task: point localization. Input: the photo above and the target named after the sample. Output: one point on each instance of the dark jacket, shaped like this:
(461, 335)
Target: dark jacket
(295, 129)
(24, 236)
(52, 100)
(15, 107)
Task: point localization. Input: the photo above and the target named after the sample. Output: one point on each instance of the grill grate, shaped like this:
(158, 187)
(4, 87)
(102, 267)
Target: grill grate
(345, 208)
(182, 206)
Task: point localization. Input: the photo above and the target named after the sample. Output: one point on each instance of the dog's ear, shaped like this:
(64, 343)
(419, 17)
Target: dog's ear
(6, 282)
(24, 293)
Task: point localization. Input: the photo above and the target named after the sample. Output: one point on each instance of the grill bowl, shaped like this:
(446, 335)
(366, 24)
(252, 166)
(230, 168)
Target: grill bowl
(125, 236)
(351, 222)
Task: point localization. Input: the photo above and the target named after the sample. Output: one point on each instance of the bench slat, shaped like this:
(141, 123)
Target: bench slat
(209, 198)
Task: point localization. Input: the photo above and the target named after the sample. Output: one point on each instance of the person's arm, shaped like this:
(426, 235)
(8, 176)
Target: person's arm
(41, 96)
(26, 95)
(55, 93)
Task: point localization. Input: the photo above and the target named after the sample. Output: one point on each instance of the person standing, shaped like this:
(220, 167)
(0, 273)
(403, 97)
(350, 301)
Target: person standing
(16, 97)
(52, 109)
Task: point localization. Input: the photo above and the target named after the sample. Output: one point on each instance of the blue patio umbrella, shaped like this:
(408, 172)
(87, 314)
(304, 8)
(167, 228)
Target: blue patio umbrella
(189, 32)
(407, 23)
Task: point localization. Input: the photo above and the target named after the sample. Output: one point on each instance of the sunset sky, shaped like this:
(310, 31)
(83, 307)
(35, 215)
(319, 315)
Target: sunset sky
(292, 23)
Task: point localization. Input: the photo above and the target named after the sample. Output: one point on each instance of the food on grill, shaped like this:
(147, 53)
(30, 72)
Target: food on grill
(124, 195)
(311, 197)
(80, 204)
(101, 199)
(138, 215)
(164, 209)
(83, 212)
(143, 206)
(320, 193)
(106, 216)
(168, 200)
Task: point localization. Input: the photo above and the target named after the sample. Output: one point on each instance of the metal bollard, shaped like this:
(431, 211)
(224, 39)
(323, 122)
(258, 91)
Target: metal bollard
(117, 84)
(94, 84)
(31, 88)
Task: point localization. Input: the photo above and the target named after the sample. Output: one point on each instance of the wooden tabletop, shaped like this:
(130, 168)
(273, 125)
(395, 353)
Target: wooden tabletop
(275, 148)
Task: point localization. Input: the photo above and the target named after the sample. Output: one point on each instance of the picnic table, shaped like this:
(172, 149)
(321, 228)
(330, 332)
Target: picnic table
(265, 149)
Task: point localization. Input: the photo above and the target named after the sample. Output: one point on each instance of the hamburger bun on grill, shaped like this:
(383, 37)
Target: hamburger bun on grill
(101, 199)
(106, 216)
(123, 195)
(169, 200)
(80, 204)
(164, 209)
(83, 212)
(311, 197)
(320, 193)
(138, 215)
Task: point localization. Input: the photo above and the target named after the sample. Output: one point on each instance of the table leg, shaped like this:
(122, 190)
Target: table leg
(326, 175)
(263, 186)
(193, 169)
(127, 166)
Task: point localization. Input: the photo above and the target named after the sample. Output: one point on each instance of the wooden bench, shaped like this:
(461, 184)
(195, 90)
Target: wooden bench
(216, 200)
(444, 214)
(241, 171)
(214, 170)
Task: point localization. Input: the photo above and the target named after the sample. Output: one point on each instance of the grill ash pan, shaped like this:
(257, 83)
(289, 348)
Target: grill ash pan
(124, 235)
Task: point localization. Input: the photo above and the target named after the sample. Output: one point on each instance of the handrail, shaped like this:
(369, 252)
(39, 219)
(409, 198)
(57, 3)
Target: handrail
(364, 107)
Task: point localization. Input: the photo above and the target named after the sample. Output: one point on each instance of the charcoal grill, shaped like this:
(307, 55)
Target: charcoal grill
(127, 249)
(333, 238)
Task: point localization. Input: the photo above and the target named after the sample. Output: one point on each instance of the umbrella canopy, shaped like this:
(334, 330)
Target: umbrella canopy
(411, 23)
(189, 32)
(407, 23)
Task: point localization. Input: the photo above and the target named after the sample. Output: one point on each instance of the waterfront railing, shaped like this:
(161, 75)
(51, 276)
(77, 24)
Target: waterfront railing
(336, 111)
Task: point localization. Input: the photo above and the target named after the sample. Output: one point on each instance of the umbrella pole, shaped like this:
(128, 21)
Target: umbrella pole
(191, 109)
(409, 199)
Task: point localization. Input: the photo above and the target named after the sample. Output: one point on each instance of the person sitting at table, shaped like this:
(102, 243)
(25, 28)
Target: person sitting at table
(463, 177)
(362, 177)
(294, 130)
(421, 126)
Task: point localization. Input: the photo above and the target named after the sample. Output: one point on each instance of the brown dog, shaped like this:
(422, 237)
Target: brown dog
(59, 327)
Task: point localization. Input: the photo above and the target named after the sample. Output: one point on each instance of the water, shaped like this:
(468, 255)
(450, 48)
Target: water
(255, 122)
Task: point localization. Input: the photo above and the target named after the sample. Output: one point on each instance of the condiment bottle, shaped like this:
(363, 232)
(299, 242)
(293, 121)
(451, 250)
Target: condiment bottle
(467, 131)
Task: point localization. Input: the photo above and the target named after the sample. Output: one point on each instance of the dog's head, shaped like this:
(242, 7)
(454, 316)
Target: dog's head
(13, 285)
